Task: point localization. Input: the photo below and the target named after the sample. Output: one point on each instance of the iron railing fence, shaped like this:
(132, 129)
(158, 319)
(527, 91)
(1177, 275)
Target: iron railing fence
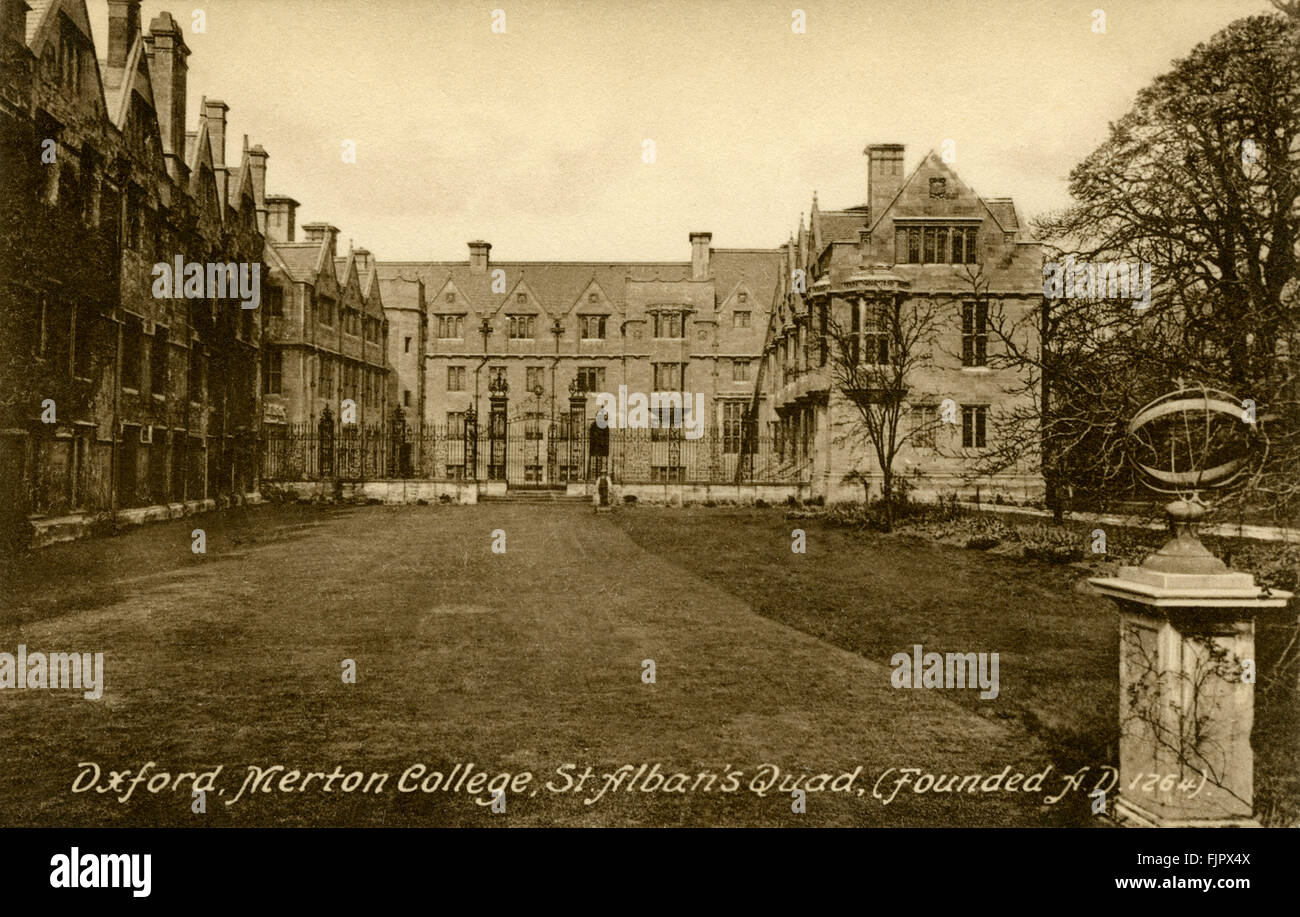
(525, 455)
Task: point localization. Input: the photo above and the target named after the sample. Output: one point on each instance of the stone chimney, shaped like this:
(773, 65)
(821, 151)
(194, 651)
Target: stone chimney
(123, 30)
(165, 45)
(365, 260)
(257, 158)
(214, 110)
(479, 257)
(280, 214)
(700, 255)
(884, 176)
(14, 26)
(317, 232)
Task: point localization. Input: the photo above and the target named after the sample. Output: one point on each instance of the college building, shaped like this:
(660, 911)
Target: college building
(922, 239)
(118, 398)
(326, 330)
(502, 363)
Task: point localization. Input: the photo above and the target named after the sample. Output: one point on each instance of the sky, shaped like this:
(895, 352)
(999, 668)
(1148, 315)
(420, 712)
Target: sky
(534, 139)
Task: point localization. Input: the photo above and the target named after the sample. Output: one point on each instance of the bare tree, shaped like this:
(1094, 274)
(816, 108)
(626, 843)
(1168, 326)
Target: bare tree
(1200, 181)
(872, 362)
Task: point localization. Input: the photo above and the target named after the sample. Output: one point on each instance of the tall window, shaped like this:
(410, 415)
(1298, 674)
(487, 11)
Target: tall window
(274, 301)
(740, 370)
(669, 377)
(924, 419)
(158, 361)
(591, 378)
(195, 384)
(935, 244)
(132, 334)
(974, 333)
(592, 327)
(669, 325)
(974, 419)
(406, 345)
(871, 332)
(963, 246)
(733, 426)
(272, 369)
(84, 342)
(451, 327)
(455, 423)
(521, 327)
(326, 377)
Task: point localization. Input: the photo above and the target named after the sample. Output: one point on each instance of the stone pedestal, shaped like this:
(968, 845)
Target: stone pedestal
(1187, 626)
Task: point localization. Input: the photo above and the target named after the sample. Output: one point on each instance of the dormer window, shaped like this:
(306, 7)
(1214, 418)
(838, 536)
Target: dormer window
(521, 327)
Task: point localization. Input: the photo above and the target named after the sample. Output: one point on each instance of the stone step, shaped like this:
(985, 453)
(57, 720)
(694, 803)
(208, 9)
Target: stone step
(526, 496)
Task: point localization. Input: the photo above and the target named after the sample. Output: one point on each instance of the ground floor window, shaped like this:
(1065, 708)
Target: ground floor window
(974, 419)
(667, 474)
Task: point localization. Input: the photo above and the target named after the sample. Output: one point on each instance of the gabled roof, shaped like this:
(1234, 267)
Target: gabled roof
(560, 287)
(372, 292)
(933, 160)
(305, 262)
(41, 19)
(554, 284)
(759, 270)
(36, 18)
(840, 226)
(120, 83)
(1004, 209)
(239, 180)
(582, 303)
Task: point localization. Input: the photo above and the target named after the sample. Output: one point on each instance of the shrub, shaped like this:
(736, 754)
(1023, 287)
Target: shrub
(629, 498)
(1051, 544)
(989, 532)
(445, 498)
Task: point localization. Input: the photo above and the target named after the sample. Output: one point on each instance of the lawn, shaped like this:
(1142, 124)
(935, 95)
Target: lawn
(877, 594)
(532, 660)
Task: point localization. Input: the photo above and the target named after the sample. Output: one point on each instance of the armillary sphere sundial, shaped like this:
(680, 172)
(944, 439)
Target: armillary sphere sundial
(1187, 443)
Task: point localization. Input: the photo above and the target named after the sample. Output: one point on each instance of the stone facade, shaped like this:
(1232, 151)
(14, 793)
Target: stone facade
(555, 329)
(327, 332)
(928, 238)
(155, 398)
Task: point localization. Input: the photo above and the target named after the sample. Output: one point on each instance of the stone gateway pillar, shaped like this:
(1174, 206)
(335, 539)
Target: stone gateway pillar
(1187, 692)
